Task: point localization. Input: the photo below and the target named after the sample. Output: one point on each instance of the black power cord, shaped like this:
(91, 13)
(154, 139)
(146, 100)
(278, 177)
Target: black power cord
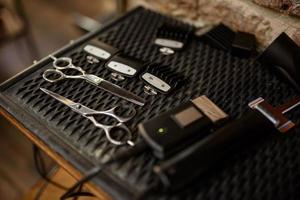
(135, 150)
(41, 169)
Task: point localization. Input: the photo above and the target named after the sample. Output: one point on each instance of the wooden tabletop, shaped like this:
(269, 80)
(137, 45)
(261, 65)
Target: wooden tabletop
(56, 157)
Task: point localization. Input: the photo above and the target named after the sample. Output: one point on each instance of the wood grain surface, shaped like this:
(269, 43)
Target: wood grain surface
(57, 158)
(46, 191)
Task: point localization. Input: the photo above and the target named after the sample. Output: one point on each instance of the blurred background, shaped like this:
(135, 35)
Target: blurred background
(32, 29)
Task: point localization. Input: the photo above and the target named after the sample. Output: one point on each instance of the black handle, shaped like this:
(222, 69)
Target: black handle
(282, 56)
(206, 153)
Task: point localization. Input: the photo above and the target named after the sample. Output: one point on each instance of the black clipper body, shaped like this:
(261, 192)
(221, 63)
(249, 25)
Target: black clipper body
(176, 129)
(259, 121)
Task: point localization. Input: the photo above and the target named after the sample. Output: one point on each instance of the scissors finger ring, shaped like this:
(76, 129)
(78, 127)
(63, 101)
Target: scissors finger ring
(62, 62)
(53, 75)
(119, 127)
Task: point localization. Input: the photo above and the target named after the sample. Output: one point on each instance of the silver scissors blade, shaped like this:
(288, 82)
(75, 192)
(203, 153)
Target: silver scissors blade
(77, 107)
(58, 97)
(122, 93)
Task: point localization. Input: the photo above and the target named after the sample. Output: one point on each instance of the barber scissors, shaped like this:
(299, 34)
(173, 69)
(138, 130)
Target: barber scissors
(90, 114)
(63, 63)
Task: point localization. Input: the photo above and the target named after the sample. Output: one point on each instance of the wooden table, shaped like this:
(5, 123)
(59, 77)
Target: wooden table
(98, 192)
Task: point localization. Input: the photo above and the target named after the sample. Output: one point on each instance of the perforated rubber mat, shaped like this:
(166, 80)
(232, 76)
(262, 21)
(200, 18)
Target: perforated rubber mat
(269, 170)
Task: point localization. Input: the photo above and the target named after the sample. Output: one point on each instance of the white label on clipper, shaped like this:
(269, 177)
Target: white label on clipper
(168, 43)
(122, 68)
(95, 51)
(156, 82)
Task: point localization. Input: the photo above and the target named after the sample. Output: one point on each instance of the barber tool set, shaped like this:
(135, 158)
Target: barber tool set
(161, 112)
